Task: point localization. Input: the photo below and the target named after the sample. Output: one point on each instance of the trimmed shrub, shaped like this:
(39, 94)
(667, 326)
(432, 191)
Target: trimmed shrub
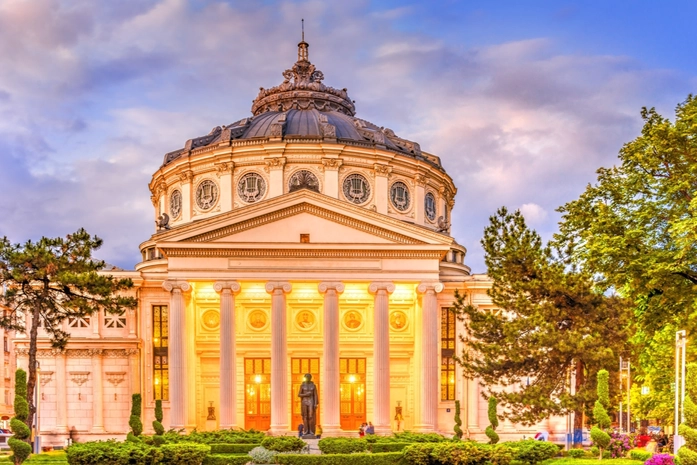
(225, 459)
(232, 448)
(342, 445)
(158, 440)
(130, 437)
(283, 444)
(379, 447)
(184, 454)
(113, 453)
(531, 451)
(458, 422)
(390, 458)
(227, 436)
(18, 443)
(419, 454)
(640, 454)
(414, 437)
(576, 453)
(490, 430)
(262, 455)
(134, 422)
(157, 424)
(471, 453)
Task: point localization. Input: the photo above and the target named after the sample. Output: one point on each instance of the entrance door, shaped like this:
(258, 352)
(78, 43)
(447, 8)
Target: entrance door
(299, 367)
(352, 395)
(257, 393)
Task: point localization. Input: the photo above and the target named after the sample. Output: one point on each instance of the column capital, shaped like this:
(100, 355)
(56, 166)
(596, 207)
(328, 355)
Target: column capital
(325, 286)
(172, 285)
(376, 286)
(284, 286)
(220, 286)
(428, 286)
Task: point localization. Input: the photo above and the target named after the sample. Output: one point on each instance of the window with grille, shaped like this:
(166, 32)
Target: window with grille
(160, 351)
(447, 351)
(78, 322)
(114, 321)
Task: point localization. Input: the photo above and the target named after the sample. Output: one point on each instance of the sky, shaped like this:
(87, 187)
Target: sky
(523, 101)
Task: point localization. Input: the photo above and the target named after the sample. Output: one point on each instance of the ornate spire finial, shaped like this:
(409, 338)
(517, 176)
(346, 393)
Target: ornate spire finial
(303, 46)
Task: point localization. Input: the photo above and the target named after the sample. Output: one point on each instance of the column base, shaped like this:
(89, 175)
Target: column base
(383, 430)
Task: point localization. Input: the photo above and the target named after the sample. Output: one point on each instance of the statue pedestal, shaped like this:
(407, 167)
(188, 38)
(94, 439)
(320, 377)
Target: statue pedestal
(309, 436)
(211, 425)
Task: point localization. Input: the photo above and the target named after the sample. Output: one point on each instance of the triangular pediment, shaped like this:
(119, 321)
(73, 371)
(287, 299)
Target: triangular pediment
(282, 220)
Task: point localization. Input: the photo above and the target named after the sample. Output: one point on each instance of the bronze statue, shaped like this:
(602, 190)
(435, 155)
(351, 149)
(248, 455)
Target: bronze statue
(308, 404)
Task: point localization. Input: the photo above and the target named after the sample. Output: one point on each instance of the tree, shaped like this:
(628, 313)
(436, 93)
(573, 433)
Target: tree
(134, 421)
(635, 228)
(549, 321)
(602, 419)
(49, 281)
(19, 442)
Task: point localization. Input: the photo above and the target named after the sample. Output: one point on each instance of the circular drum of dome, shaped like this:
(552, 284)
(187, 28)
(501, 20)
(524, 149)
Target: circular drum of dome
(356, 188)
(400, 197)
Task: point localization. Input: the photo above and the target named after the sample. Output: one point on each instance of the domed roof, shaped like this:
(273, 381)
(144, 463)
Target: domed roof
(302, 106)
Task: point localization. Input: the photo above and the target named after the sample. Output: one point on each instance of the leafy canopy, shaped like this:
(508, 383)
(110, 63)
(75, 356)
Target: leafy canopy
(549, 319)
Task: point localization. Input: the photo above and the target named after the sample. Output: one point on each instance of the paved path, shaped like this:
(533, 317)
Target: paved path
(314, 449)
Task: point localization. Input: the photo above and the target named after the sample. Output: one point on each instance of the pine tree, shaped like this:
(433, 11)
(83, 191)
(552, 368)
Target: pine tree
(18, 443)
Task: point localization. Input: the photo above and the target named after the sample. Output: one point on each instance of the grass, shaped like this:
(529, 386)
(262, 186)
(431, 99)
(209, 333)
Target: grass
(55, 457)
(590, 461)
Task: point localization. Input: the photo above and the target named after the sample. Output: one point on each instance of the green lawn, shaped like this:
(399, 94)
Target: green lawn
(586, 461)
(43, 458)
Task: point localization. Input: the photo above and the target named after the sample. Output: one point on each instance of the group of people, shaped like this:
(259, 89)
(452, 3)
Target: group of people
(301, 431)
(366, 428)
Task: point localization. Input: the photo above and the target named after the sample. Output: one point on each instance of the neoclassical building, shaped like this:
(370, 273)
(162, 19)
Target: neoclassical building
(299, 239)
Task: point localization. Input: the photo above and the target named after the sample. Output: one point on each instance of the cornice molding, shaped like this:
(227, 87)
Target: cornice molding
(301, 253)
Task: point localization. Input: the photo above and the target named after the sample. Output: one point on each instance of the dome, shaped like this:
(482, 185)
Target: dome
(303, 107)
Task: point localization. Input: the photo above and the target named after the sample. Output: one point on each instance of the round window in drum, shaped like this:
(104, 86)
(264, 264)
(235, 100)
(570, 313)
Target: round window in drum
(303, 179)
(175, 203)
(251, 187)
(356, 189)
(430, 206)
(206, 194)
(399, 195)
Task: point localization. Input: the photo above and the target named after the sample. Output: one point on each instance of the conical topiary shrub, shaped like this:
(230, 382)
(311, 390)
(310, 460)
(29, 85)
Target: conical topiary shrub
(458, 422)
(134, 422)
(18, 443)
(602, 419)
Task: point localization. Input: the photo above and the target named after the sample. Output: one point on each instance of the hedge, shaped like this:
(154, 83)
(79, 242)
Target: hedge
(184, 454)
(388, 446)
(389, 458)
(226, 436)
(640, 454)
(531, 452)
(283, 444)
(225, 448)
(113, 453)
(225, 459)
(342, 445)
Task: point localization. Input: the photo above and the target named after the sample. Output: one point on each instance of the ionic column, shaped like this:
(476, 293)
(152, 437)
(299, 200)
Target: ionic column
(61, 397)
(279, 356)
(381, 356)
(228, 351)
(97, 392)
(177, 352)
(330, 375)
(430, 360)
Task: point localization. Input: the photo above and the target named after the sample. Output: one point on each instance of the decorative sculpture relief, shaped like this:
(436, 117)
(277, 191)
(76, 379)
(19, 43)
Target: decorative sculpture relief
(115, 378)
(430, 206)
(175, 203)
(211, 319)
(398, 320)
(356, 188)
(305, 320)
(251, 187)
(257, 320)
(79, 378)
(206, 194)
(303, 179)
(400, 196)
(353, 320)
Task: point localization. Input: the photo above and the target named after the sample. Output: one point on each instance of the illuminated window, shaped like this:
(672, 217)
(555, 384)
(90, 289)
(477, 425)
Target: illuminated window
(160, 352)
(447, 351)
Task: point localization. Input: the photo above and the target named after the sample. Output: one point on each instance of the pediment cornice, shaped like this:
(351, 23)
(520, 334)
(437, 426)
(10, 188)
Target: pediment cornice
(303, 201)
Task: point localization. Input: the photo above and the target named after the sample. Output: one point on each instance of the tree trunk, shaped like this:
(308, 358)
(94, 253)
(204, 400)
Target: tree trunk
(31, 378)
(578, 414)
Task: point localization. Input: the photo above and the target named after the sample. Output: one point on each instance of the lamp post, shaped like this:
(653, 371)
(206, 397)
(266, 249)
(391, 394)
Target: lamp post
(680, 343)
(37, 416)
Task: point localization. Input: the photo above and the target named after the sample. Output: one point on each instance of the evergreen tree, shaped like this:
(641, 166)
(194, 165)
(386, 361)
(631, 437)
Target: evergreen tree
(49, 281)
(550, 320)
(19, 443)
(158, 438)
(134, 422)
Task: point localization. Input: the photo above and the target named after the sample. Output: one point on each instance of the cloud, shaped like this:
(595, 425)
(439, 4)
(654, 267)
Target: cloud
(93, 94)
